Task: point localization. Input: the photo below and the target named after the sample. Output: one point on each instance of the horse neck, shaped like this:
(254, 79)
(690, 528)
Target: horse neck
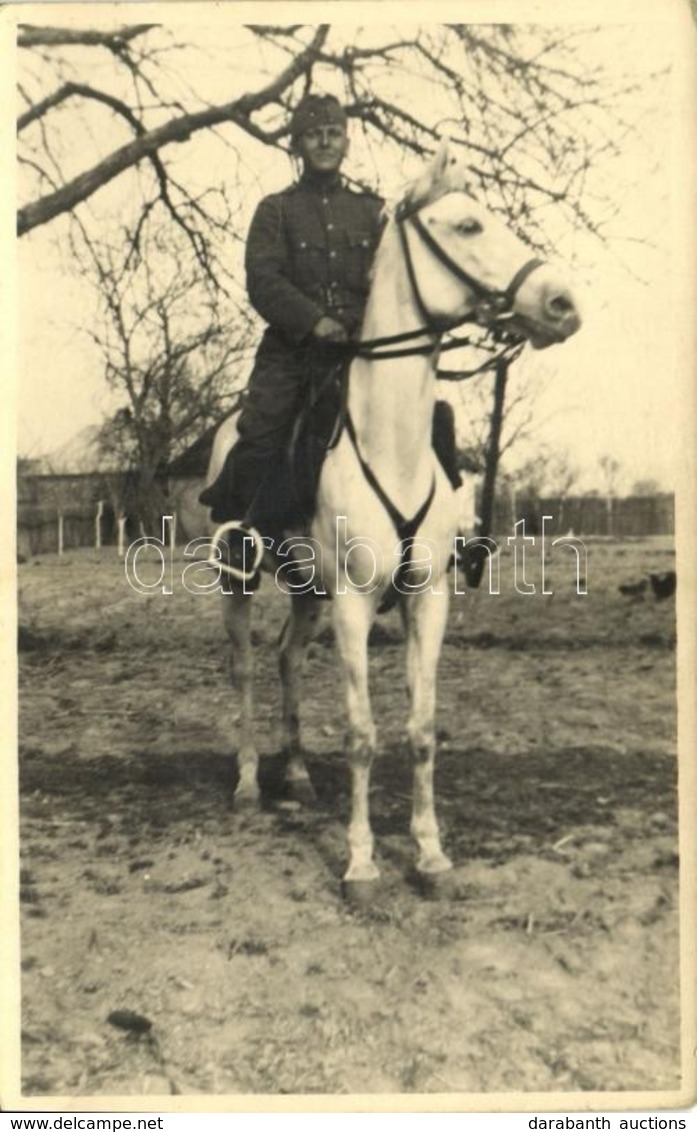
(391, 401)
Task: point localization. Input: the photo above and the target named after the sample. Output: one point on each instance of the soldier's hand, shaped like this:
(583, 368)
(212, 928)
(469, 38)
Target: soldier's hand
(329, 330)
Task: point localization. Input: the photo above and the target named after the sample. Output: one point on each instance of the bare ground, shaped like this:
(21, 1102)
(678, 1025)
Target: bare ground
(143, 891)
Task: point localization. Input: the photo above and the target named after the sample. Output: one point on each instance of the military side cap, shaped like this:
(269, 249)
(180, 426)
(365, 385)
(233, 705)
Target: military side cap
(316, 110)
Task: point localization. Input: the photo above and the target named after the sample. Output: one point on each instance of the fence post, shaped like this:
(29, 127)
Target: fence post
(98, 525)
(60, 532)
(121, 549)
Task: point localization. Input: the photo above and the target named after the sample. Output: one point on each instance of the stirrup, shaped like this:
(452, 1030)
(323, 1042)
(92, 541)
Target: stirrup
(236, 571)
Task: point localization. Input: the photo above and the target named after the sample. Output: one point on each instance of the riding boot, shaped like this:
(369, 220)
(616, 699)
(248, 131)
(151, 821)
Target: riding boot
(239, 483)
(272, 506)
(224, 496)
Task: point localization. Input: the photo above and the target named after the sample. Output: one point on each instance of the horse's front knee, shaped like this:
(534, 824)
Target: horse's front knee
(422, 741)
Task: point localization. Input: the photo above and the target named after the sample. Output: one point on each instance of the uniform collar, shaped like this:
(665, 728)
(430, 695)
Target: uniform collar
(319, 184)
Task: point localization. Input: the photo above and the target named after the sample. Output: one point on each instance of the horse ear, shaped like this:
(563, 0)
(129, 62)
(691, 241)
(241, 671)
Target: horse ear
(442, 162)
(445, 173)
(451, 172)
(436, 176)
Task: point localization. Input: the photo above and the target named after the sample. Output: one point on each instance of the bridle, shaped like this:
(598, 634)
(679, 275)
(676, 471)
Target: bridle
(492, 310)
(492, 305)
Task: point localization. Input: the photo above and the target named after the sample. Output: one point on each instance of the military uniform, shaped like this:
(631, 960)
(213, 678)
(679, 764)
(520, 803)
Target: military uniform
(309, 252)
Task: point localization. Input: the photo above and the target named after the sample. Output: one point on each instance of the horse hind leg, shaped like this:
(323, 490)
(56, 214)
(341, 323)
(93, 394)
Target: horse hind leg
(298, 631)
(237, 612)
(425, 617)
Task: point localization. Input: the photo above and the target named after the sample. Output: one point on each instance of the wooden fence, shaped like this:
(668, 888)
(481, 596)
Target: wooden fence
(47, 530)
(591, 515)
(60, 512)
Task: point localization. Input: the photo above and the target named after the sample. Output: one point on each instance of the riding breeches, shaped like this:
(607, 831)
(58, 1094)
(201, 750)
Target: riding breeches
(276, 392)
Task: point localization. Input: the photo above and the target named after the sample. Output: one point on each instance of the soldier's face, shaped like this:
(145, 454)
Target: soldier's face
(323, 148)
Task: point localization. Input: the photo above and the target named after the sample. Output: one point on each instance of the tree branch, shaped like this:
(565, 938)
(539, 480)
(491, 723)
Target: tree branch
(176, 130)
(31, 36)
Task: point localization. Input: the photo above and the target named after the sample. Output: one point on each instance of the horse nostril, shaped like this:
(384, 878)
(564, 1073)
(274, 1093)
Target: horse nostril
(560, 305)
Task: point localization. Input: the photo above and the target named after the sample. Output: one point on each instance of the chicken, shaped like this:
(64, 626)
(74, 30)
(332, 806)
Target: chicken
(634, 590)
(663, 584)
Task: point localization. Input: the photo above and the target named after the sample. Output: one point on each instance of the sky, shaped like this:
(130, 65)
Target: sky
(617, 388)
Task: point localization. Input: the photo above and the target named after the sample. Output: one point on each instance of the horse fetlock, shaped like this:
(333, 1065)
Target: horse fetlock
(360, 841)
(247, 764)
(295, 769)
(431, 858)
(433, 861)
(360, 872)
(298, 780)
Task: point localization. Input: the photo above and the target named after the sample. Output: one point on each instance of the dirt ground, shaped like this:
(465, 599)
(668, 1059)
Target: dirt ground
(143, 891)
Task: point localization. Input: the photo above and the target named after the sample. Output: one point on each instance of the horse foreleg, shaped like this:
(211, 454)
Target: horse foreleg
(237, 609)
(353, 615)
(298, 631)
(425, 615)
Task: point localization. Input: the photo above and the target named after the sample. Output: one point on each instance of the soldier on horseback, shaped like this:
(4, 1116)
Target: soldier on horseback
(308, 259)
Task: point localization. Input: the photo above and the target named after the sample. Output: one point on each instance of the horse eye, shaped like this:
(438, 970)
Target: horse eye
(469, 227)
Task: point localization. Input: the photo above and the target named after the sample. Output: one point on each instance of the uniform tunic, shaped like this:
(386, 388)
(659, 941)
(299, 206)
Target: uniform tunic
(309, 252)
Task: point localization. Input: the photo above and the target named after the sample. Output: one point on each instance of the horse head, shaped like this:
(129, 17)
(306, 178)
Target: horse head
(465, 264)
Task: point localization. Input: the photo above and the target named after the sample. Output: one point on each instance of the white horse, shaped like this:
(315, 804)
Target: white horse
(442, 259)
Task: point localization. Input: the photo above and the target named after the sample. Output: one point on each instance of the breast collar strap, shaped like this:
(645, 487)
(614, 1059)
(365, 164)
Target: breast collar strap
(405, 528)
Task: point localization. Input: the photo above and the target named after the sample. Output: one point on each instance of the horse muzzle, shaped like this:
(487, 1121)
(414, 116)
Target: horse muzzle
(556, 319)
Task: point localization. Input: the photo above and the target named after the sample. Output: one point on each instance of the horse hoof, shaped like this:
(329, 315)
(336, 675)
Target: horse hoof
(360, 893)
(444, 885)
(301, 790)
(247, 801)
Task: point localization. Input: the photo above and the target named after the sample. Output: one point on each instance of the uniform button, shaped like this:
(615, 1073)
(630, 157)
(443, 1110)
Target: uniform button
(332, 255)
(330, 227)
(325, 200)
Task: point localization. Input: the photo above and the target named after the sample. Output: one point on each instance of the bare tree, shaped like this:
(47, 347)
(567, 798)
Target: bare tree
(519, 417)
(561, 476)
(610, 468)
(170, 351)
(549, 474)
(645, 487)
(532, 116)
